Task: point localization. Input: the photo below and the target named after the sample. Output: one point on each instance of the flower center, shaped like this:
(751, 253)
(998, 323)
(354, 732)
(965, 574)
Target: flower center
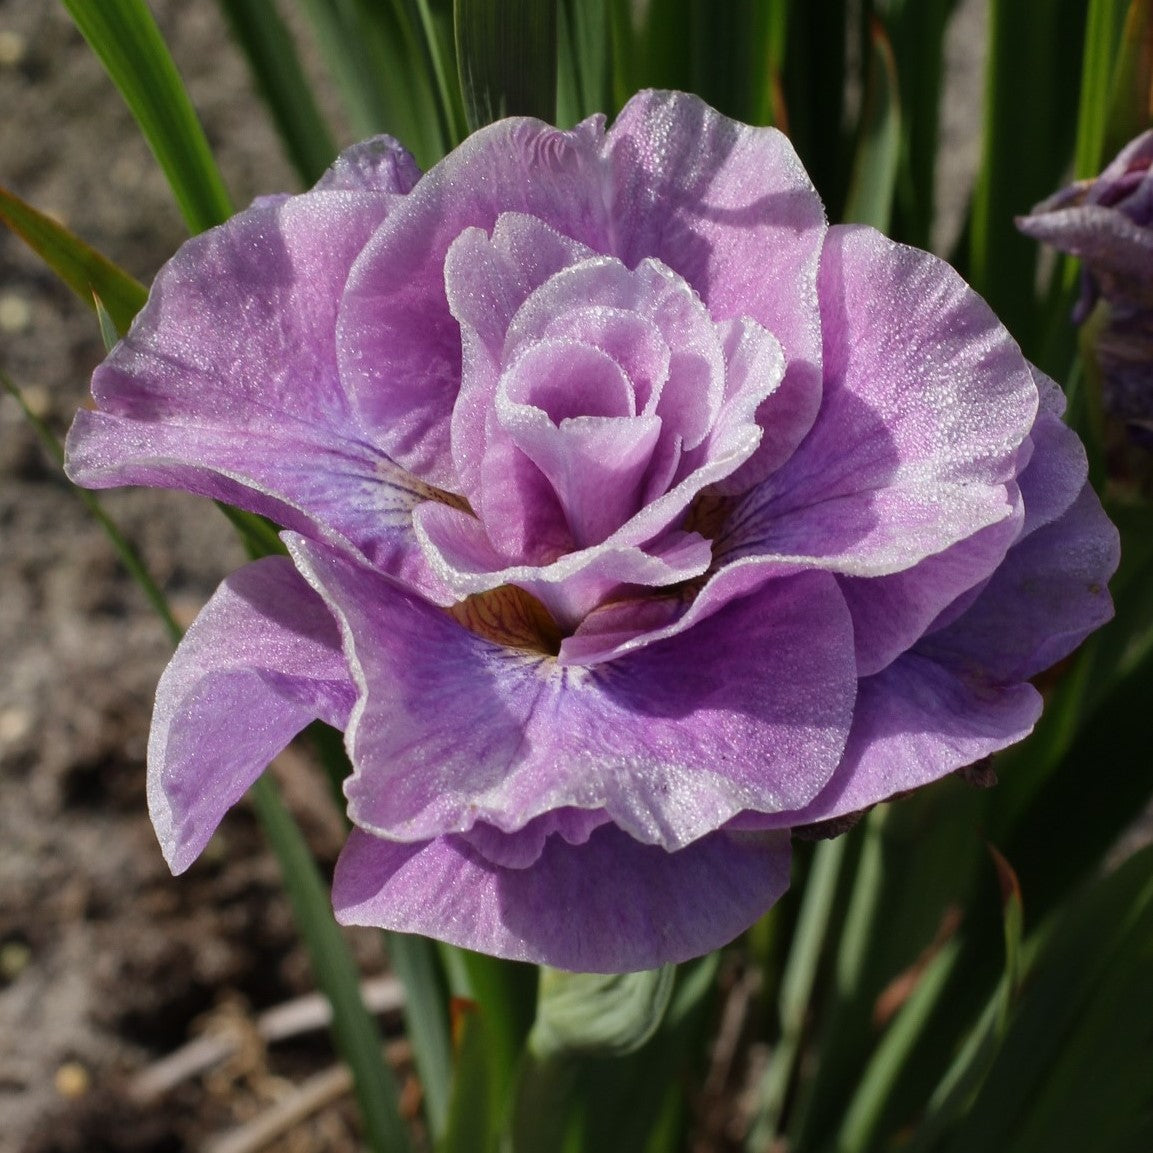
(511, 617)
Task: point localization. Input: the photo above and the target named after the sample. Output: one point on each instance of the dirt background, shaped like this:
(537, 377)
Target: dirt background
(106, 963)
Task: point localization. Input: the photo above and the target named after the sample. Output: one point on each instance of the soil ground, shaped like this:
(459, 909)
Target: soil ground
(106, 962)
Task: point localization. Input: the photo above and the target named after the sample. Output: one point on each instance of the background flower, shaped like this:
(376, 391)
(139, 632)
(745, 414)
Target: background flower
(1108, 223)
(635, 517)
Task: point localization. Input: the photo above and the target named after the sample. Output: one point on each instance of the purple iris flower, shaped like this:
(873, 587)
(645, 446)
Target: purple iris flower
(636, 517)
(1108, 223)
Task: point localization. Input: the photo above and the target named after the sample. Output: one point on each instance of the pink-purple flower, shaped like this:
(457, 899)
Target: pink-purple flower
(1108, 223)
(636, 517)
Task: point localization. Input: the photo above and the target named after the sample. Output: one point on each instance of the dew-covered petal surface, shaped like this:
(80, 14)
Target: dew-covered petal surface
(400, 346)
(749, 711)
(732, 210)
(927, 403)
(915, 722)
(728, 207)
(260, 662)
(227, 383)
(379, 164)
(609, 905)
(891, 613)
(1041, 603)
(1058, 468)
(1117, 249)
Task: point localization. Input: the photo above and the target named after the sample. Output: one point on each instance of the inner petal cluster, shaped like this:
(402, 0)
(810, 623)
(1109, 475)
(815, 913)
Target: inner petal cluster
(597, 401)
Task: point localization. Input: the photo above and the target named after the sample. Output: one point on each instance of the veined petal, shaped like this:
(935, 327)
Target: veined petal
(732, 210)
(915, 722)
(1044, 599)
(928, 405)
(400, 346)
(325, 487)
(449, 729)
(227, 383)
(610, 905)
(260, 662)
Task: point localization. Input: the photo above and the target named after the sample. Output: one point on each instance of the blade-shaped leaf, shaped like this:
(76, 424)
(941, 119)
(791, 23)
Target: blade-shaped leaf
(1102, 33)
(374, 51)
(651, 46)
(437, 22)
(1131, 103)
(1031, 95)
(354, 1029)
(874, 177)
(414, 960)
(124, 35)
(506, 56)
(505, 992)
(82, 268)
(356, 1033)
(1102, 782)
(272, 56)
(916, 893)
(917, 32)
(815, 63)
(866, 1108)
(109, 333)
(584, 78)
(1074, 1071)
(472, 1126)
(124, 550)
(797, 984)
(733, 47)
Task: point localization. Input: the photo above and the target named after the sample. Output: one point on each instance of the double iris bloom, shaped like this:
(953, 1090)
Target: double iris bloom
(635, 517)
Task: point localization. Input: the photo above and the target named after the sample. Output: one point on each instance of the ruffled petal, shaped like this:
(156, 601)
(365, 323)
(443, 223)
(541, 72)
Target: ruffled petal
(379, 164)
(891, 613)
(728, 207)
(487, 279)
(732, 210)
(450, 729)
(227, 383)
(1045, 598)
(523, 848)
(400, 346)
(611, 905)
(260, 662)
(1051, 481)
(928, 404)
(1058, 468)
(690, 397)
(915, 722)
(463, 559)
